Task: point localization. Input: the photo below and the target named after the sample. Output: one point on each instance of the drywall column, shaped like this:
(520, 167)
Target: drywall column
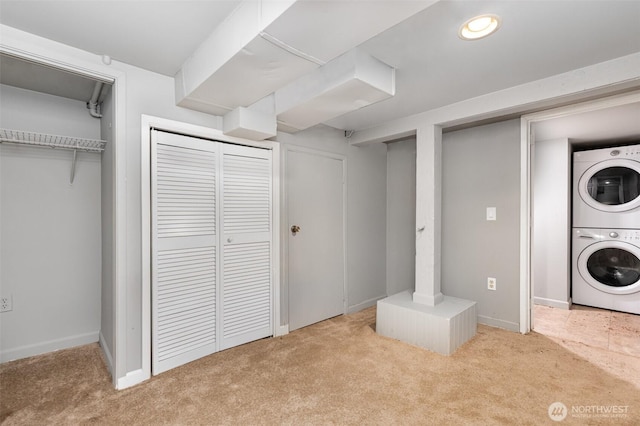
(428, 209)
(428, 319)
(401, 216)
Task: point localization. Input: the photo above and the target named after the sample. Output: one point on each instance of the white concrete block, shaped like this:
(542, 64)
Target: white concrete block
(442, 328)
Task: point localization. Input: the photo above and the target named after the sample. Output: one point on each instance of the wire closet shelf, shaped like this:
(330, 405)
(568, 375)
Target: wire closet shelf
(51, 141)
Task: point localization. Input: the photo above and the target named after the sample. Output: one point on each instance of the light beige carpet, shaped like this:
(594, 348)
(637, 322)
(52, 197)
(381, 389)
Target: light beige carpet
(335, 372)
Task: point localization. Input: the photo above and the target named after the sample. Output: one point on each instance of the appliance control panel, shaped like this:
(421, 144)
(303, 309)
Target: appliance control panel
(630, 236)
(629, 152)
(632, 151)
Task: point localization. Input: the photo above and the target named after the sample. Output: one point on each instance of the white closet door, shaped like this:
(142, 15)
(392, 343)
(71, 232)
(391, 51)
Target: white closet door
(246, 238)
(184, 249)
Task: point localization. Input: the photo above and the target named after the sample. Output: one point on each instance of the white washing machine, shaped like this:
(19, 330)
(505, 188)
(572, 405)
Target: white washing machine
(606, 268)
(606, 188)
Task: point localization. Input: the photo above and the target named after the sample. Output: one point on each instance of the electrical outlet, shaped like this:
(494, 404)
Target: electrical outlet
(6, 303)
(491, 283)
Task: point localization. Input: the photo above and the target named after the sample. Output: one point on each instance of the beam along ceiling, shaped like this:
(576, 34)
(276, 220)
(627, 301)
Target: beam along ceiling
(434, 67)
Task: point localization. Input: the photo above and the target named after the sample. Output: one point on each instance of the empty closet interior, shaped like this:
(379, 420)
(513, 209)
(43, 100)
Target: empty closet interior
(56, 187)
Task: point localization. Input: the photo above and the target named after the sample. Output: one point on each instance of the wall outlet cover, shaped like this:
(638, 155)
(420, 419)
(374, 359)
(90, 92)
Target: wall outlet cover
(6, 303)
(491, 283)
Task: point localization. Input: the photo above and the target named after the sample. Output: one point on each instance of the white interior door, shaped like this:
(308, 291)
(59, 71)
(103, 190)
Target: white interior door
(184, 249)
(246, 238)
(315, 198)
(212, 255)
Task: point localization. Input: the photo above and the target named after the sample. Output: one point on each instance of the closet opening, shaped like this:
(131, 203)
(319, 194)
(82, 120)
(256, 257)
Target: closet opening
(57, 174)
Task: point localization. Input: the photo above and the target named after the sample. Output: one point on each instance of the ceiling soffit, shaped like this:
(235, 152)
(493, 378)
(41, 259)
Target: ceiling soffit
(253, 54)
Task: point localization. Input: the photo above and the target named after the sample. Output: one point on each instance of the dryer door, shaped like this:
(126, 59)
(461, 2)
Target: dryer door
(611, 185)
(611, 266)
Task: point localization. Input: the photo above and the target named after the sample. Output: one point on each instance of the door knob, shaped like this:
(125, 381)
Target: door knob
(295, 229)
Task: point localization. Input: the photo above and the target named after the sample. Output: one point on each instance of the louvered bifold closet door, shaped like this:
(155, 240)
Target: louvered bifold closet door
(184, 249)
(246, 239)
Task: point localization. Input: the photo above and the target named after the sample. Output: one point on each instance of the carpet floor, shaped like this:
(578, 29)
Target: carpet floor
(338, 371)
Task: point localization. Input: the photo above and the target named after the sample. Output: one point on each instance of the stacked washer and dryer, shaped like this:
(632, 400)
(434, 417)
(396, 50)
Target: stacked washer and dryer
(606, 228)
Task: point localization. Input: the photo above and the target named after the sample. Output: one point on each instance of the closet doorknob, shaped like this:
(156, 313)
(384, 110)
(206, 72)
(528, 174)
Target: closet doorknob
(295, 229)
(229, 239)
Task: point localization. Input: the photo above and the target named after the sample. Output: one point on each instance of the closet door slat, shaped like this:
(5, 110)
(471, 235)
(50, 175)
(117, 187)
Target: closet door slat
(185, 187)
(246, 258)
(247, 192)
(185, 249)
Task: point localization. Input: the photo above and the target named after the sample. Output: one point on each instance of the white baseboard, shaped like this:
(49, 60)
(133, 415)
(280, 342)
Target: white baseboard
(281, 330)
(552, 303)
(493, 322)
(364, 305)
(107, 353)
(132, 378)
(48, 346)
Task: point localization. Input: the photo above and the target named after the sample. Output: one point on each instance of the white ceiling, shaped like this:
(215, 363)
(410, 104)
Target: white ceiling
(157, 35)
(537, 39)
(434, 67)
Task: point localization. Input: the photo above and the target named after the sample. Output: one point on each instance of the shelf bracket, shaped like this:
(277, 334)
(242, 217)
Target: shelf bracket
(73, 164)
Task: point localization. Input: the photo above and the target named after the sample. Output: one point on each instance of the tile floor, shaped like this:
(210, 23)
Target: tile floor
(598, 328)
(607, 339)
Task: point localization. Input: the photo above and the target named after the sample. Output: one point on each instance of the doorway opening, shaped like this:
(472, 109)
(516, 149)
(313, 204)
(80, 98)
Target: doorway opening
(61, 230)
(549, 140)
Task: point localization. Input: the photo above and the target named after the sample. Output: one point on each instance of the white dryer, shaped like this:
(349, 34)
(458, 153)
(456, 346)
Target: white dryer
(606, 268)
(606, 188)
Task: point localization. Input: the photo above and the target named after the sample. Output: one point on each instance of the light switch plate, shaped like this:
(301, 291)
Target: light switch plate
(491, 213)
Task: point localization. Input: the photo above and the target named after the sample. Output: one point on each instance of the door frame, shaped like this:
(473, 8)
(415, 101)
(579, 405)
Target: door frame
(527, 144)
(148, 123)
(285, 228)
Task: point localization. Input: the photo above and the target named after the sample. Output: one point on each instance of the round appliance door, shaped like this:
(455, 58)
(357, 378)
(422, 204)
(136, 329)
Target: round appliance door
(611, 266)
(611, 185)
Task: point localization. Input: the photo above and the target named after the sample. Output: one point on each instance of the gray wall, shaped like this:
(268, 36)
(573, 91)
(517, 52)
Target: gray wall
(50, 230)
(551, 254)
(366, 224)
(401, 216)
(480, 169)
(107, 320)
(366, 213)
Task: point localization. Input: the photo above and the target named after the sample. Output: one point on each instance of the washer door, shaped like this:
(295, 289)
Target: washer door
(611, 266)
(611, 185)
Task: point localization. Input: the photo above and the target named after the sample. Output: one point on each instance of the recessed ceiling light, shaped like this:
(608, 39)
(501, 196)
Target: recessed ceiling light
(479, 27)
